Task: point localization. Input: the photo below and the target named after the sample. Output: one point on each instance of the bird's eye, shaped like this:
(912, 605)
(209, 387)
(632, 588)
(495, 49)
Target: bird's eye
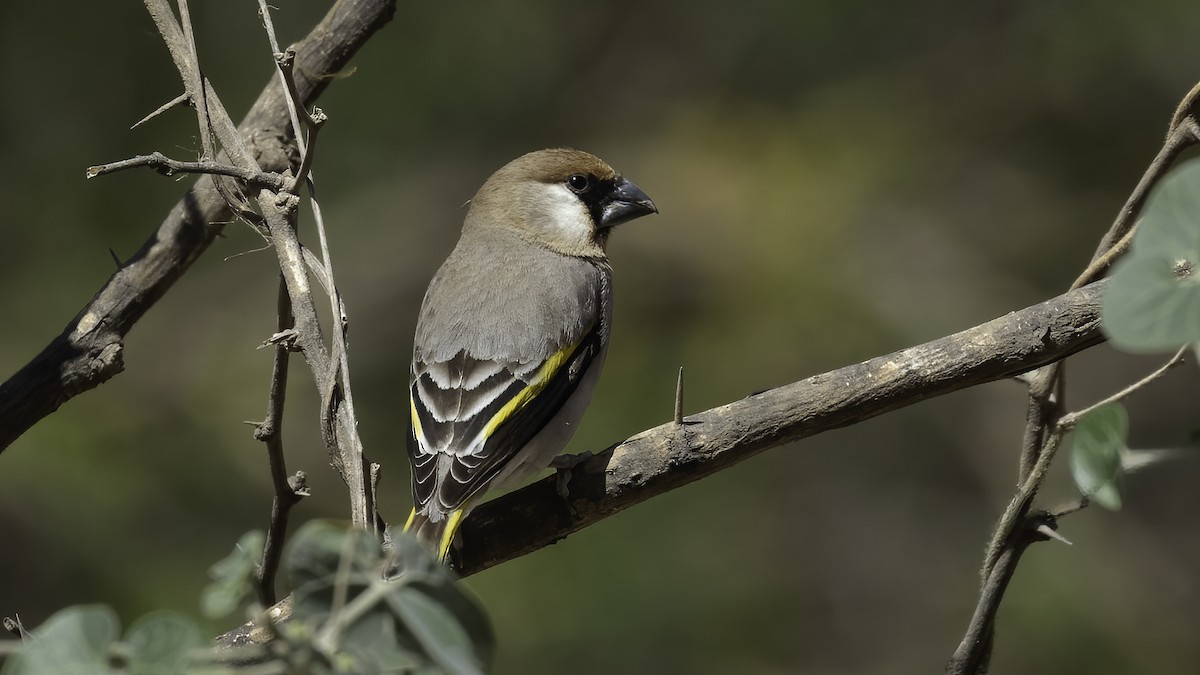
(579, 183)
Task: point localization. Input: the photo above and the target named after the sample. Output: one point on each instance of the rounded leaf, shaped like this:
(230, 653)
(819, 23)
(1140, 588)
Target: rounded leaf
(233, 577)
(1152, 303)
(74, 640)
(1096, 449)
(160, 642)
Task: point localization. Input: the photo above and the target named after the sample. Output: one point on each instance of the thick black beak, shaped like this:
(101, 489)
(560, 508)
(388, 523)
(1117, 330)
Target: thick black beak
(625, 202)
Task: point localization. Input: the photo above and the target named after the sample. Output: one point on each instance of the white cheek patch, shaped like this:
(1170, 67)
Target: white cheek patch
(565, 215)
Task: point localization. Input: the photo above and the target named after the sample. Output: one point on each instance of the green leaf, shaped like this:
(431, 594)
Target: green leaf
(1152, 303)
(420, 571)
(372, 645)
(1096, 449)
(1108, 496)
(436, 631)
(74, 640)
(159, 643)
(233, 577)
(316, 551)
(420, 621)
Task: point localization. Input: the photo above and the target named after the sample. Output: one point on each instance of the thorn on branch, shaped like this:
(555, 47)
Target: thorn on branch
(13, 625)
(298, 482)
(1051, 533)
(263, 431)
(1044, 527)
(679, 397)
(374, 475)
(287, 338)
(1074, 507)
(182, 99)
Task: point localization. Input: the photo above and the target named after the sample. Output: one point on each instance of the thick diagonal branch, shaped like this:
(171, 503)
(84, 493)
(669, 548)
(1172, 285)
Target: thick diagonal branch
(89, 351)
(673, 455)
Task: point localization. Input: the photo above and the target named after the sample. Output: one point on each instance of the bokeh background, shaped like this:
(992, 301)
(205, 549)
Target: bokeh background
(836, 181)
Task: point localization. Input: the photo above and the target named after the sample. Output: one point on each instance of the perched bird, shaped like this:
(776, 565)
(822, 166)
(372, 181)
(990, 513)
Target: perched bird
(512, 333)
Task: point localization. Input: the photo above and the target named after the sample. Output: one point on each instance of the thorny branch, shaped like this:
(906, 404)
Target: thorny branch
(169, 167)
(288, 490)
(337, 402)
(277, 204)
(1047, 420)
(90, 350)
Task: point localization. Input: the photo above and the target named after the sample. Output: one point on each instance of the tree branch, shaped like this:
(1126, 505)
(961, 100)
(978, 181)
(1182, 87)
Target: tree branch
(338, 426)
(169, 167)
(288, 490)
(90, 350)
(671, 455)
(338, 419)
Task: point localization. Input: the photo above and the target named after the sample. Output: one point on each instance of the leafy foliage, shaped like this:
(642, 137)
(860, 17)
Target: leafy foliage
(160, 643)
(356, 608)
(1153, 300)
(74, 640)
(233, 577)
(419, 618)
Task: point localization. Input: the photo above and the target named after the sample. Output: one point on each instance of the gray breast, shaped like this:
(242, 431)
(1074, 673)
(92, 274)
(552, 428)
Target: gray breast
(500, 297)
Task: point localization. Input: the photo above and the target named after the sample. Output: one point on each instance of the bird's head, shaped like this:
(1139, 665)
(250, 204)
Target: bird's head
(566, 200)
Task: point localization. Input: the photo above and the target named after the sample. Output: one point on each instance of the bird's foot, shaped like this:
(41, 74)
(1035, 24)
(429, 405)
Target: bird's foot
(563, 465)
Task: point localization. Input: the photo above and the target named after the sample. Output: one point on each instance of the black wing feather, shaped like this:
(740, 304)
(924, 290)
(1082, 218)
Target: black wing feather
(470, 472)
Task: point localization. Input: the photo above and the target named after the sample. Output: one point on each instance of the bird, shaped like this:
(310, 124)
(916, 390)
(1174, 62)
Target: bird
(512, 333)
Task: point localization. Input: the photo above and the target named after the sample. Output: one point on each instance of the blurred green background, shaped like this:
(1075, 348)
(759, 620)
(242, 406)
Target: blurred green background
(836, 181)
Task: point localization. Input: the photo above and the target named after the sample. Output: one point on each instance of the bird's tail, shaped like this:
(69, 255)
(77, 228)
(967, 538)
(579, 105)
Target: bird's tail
(435, 535)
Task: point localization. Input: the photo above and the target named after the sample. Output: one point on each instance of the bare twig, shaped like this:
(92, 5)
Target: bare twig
(1044, 407)
(1181, 135)
(285, 63)
(339, 430)
(195, 83)
(288, 491)
(169, 167)
(1006, 529)
(312, 122)
(1069, 421)
(1105, 260)
(360, 483)
(975, 651)
(337, 402)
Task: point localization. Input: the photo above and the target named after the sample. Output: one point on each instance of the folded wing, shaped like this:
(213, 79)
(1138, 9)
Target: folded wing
(470, 416)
